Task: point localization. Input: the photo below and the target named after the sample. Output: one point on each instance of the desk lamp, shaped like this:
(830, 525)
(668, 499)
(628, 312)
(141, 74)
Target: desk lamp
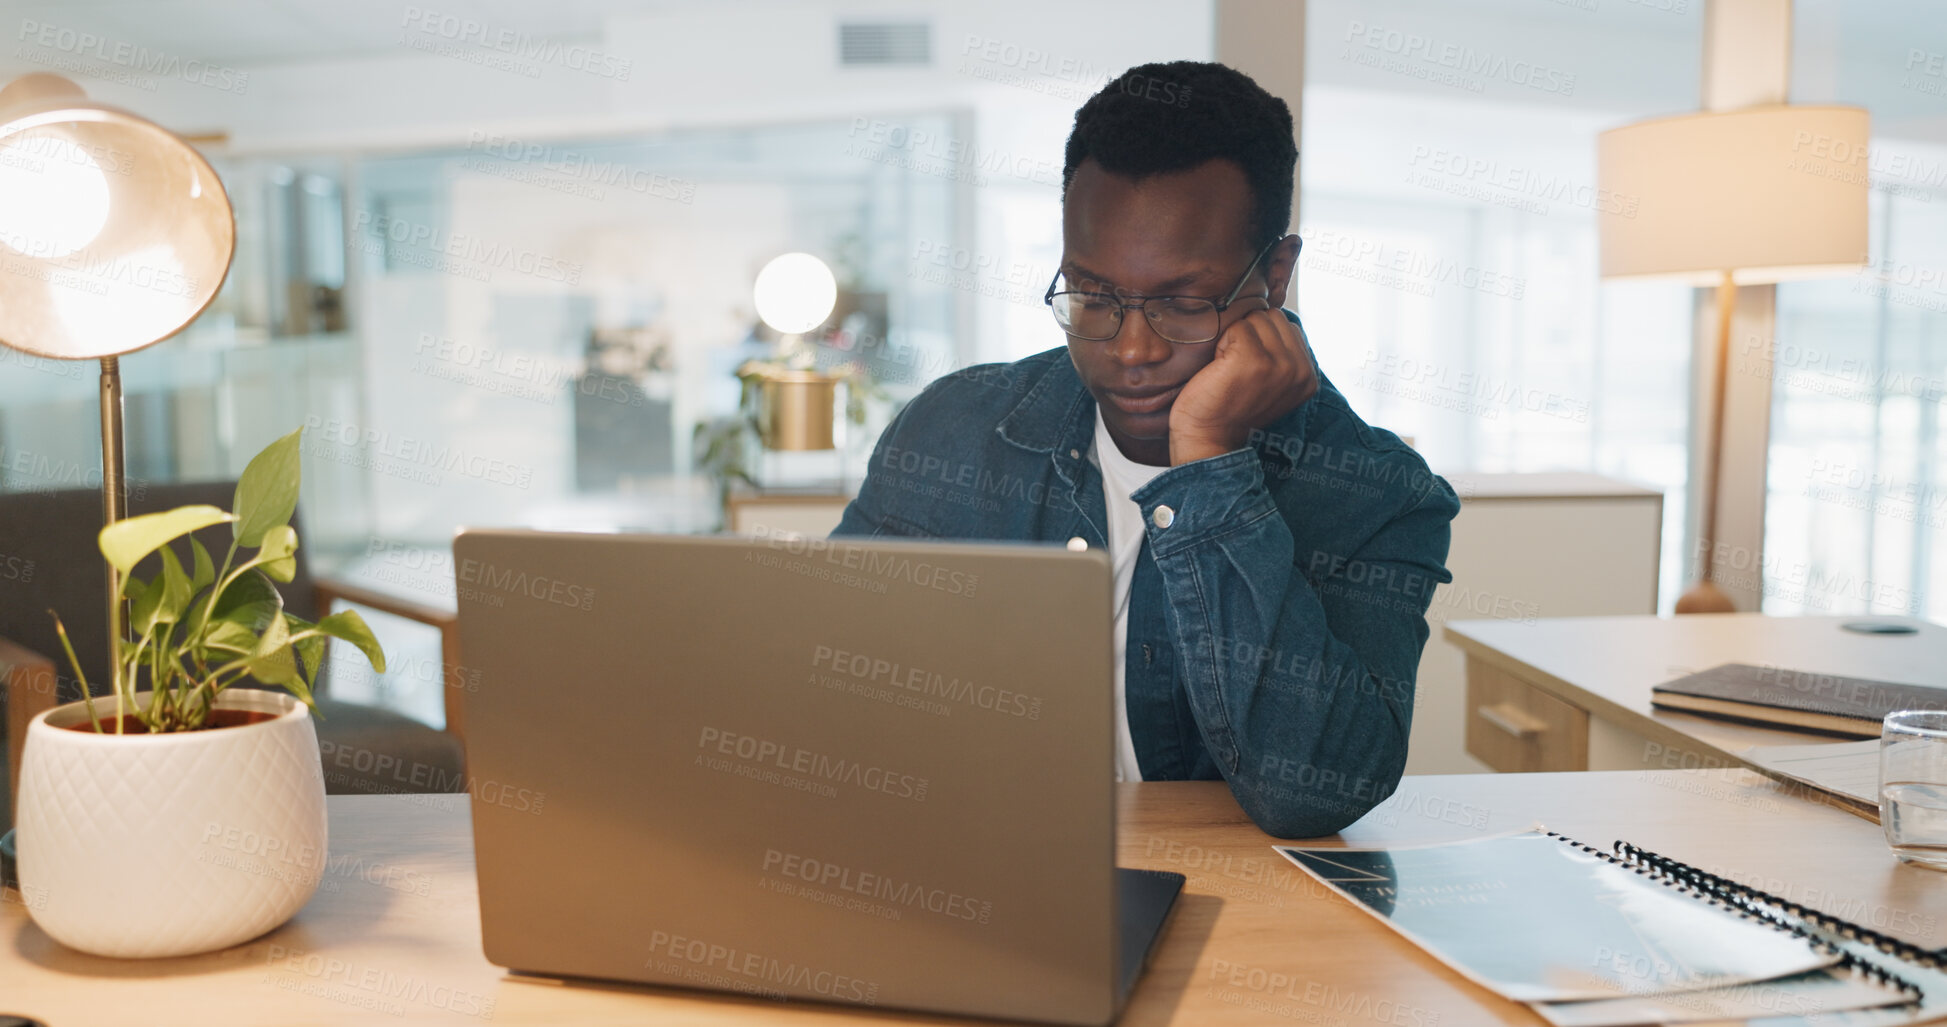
(1746, 197)
(795, 293)
(114, 235)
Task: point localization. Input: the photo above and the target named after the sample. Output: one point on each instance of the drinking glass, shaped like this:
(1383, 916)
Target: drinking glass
(1913, 786)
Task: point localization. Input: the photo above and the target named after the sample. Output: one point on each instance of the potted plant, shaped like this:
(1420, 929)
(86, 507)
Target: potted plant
(188, 814)
(784, 402)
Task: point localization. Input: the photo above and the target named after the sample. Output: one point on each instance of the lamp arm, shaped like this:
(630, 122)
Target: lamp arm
(112, 510)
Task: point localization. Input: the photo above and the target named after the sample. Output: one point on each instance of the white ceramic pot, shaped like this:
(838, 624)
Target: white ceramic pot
(165, 845)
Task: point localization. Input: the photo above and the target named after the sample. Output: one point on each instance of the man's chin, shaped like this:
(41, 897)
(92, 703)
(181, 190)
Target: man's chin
(1148, 427)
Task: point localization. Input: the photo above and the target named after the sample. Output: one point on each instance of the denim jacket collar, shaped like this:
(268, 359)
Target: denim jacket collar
(1048, 415)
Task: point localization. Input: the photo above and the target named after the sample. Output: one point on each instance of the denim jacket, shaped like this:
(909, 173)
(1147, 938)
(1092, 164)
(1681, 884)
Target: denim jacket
(1278, 608)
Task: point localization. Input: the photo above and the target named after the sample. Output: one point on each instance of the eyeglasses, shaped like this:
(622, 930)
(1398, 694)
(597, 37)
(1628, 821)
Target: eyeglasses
(1185, 320)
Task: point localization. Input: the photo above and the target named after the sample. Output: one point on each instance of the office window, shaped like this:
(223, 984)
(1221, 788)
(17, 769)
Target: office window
(1857, 492)
(1449, 280)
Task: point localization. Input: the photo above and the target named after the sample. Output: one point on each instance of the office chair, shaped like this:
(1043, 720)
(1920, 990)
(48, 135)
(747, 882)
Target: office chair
(49, 560)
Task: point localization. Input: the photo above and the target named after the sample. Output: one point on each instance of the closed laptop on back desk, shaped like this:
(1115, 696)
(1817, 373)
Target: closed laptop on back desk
(875, 773)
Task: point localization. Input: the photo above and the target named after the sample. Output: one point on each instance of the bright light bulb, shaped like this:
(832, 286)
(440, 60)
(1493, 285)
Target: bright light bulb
(795, 293)
(53, 196)
(141, 294)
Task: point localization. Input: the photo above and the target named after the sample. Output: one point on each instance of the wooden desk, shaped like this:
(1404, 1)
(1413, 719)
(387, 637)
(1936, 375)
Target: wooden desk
(1573, 693)
(394, 935)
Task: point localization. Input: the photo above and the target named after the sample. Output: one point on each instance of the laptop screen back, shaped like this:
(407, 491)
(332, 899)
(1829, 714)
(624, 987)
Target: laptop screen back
(848, 771)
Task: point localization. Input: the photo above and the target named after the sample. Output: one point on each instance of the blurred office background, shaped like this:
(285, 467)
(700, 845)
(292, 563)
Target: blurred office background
(497, 256)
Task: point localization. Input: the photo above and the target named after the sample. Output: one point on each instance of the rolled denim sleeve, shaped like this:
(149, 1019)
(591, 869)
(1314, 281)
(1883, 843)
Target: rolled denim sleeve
(1299, 667)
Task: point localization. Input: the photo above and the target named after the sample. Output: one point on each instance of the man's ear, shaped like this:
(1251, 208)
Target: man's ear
(1279, 266)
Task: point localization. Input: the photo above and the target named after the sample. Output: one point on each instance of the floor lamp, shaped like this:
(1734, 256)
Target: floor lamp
(114, 235)
(1747, 197)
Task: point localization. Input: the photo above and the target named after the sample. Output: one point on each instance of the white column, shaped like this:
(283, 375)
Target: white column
(1265, 39)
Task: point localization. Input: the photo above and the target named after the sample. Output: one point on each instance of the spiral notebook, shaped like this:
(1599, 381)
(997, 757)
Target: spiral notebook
(1590, 938)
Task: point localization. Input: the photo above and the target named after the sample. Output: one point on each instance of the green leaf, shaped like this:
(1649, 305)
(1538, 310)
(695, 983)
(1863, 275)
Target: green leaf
(234, 640)
(126, 542)
(145, 598)
(251, 600)
(175, 589)
(279, 543)
(310, 651)
(275, 667)
(274, 663)
(267, 491)
(349, 626)
(205, 572)
(302, 689)
(271, 661)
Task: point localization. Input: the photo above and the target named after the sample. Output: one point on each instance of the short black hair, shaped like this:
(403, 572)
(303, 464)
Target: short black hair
(1157, 118)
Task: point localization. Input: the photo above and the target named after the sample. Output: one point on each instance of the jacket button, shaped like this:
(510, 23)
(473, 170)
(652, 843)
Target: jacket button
(1077, 544)
(1163, 517)
(1074, 454)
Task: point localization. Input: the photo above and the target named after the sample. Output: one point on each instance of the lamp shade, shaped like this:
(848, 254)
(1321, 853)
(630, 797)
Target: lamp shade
(1766, 193)
(114, 232)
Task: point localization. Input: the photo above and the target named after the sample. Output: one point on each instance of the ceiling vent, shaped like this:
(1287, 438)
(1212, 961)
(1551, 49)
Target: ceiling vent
(884, 44)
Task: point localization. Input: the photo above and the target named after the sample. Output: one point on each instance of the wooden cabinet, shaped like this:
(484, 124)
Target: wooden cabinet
(1527, 548)
(1514, 726)
(1521, 677)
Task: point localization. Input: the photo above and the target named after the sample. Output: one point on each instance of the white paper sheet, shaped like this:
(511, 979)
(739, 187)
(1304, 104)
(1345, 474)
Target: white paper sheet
(1536, 919)
(1800, 995)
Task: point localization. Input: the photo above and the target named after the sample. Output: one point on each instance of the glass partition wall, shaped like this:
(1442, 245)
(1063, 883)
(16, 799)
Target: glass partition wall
(449, 325)
(506, 332)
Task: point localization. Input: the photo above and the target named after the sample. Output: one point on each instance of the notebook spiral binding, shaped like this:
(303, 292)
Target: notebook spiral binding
(1744, 901)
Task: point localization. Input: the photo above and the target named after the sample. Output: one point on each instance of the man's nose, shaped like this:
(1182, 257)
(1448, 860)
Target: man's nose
(1138, 344)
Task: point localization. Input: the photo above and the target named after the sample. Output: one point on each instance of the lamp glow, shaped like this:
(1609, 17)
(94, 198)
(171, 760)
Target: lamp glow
(110, 266)
(118, 231)
(53, 196)
(795, 293)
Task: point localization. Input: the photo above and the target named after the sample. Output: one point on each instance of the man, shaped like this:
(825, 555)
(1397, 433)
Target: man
(1274, 555)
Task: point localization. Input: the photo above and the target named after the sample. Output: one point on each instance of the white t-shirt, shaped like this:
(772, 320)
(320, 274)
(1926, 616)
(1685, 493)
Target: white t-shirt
(1120, 477)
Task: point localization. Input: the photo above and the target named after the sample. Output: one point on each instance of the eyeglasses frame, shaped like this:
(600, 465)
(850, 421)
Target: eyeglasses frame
(1124, 304)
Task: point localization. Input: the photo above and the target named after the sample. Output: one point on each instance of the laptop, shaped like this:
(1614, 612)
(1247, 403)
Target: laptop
(865, 772)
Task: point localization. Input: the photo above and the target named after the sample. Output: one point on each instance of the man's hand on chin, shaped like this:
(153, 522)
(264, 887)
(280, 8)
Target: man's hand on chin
(1262, 371)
